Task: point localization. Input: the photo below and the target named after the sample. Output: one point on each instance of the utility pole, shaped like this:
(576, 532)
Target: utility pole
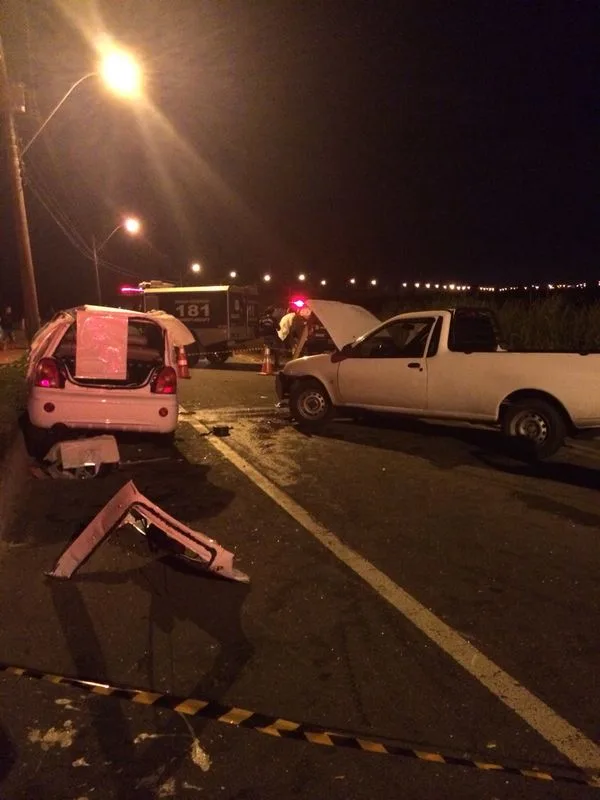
(97, 271)
(28, 287)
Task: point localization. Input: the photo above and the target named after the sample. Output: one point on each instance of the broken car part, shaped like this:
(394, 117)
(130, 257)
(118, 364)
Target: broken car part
(130, 507)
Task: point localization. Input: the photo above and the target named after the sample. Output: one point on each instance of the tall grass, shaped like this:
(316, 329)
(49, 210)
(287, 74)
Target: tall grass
(12, 399)
(556, 322)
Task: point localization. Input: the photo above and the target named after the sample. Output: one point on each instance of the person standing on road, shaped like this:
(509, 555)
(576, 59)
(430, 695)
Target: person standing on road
(290, 327)
(267, 328)
(7, 324)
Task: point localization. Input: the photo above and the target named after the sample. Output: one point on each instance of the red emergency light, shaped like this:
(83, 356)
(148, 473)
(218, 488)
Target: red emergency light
(298, 303)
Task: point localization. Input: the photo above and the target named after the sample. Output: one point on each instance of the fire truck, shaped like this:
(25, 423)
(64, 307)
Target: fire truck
(220, 317)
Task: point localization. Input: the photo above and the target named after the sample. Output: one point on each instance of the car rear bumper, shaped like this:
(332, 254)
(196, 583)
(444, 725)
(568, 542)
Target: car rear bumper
(146, 412)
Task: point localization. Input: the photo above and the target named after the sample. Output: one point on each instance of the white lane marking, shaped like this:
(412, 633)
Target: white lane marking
(588, 450)
(567, 739)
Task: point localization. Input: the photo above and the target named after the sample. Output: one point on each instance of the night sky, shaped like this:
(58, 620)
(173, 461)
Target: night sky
(403, 140)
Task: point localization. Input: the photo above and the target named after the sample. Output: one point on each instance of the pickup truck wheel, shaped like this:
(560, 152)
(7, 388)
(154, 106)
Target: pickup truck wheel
(536, 427)
(310, 404)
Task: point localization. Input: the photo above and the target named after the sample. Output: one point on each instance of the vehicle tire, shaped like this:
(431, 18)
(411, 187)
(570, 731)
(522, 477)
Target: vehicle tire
(536, 428)
(310, 405)
(217, 358)
(38, 441)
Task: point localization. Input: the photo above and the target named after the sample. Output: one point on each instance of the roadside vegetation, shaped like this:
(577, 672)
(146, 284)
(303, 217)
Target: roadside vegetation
(12, 399)
(555, 322)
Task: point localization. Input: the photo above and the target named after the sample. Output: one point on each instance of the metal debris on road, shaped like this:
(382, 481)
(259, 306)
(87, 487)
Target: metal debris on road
(129, 507)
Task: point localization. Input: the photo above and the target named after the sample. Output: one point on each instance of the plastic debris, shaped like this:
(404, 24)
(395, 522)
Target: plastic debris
(81, 458)
(129, 507)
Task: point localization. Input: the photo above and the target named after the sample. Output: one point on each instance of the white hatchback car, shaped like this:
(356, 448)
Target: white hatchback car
(105, 369)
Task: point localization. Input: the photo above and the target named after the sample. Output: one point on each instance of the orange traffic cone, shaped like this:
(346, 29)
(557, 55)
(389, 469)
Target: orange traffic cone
(183, 370)
(267, 364)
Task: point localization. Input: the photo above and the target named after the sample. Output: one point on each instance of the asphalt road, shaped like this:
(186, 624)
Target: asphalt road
(498, 556)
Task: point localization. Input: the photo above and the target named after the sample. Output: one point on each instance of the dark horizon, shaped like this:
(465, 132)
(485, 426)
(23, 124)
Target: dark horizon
(404, 142)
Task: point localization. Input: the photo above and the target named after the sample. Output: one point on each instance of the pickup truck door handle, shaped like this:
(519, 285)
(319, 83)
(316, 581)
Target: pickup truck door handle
(414, 365)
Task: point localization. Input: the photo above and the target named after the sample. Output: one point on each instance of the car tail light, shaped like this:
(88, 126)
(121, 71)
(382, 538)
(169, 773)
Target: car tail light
(49, 375)
(165, 381)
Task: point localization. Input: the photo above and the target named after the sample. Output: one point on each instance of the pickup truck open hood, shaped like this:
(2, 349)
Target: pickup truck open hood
(343, 321)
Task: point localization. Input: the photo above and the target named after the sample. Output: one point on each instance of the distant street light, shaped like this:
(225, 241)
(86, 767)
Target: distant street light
(373, 281)
(302, 277)
(129, 224)
(266, 278)
(352, 281)
(196, 268)
(323, 282)
(233, 274)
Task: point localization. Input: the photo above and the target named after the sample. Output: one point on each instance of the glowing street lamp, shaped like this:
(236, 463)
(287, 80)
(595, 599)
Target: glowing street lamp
(196, 268)
(352, 281)
(130, 224)
(324, 282)
(266, 278)
(233, 274)
(302, 277)
(373, 281)
(121, 72)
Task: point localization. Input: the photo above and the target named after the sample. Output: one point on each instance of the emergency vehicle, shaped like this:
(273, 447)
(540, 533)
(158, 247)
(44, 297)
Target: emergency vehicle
(220, 317)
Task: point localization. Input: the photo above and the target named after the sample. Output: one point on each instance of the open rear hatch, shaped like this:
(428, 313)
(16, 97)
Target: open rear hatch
(115, 351)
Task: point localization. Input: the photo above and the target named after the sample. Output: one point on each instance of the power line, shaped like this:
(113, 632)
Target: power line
(67, 227)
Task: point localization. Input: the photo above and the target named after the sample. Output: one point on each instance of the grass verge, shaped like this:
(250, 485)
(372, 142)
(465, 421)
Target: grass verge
(12, 400)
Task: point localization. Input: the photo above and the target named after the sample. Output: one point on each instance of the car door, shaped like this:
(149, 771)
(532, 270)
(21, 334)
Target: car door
(388, 368)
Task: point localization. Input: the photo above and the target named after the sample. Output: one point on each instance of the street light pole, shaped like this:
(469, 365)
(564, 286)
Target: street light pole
(54, 110)
(28, 287)
(131, 225)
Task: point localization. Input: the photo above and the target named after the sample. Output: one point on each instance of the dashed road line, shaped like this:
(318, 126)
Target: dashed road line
(556, 730)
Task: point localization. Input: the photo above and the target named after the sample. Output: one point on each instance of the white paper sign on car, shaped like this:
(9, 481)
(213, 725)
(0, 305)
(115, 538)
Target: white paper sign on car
(101, 350)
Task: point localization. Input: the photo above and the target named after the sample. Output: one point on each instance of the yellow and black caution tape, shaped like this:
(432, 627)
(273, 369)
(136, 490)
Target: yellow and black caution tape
(232, 351)
(287, 729)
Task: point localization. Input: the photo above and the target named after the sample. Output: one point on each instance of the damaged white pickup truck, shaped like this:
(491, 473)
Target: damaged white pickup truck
(447, 365)
(104, 368)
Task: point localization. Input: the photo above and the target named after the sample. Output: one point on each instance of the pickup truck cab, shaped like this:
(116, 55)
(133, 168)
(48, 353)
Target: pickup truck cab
(449, 365)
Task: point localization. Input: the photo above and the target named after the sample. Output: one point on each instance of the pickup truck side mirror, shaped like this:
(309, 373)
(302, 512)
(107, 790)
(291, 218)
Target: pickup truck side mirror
(342, 354)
